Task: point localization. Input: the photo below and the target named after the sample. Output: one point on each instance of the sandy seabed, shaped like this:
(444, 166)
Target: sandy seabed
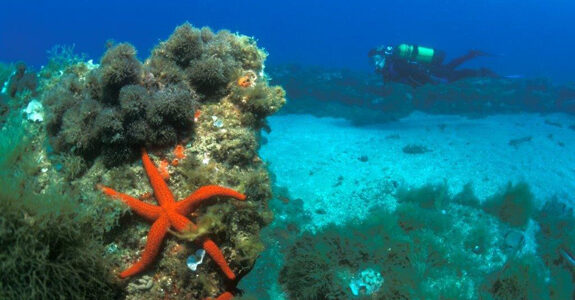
(340, 171)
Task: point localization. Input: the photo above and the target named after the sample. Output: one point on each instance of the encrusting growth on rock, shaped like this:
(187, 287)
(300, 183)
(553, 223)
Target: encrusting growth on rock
(200, 93)
(169, 214)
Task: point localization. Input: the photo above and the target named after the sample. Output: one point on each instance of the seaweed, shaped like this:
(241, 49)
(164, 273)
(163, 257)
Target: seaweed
(115, 117)
(121, 105)
(556, 239)
(420, 258)
(184, 45)
(52, 249)
(428, 196)
(521, 277)
(514, 206)
(119, 67)
(421, 250)
(22, 81)
(467, 197)
(5, 72)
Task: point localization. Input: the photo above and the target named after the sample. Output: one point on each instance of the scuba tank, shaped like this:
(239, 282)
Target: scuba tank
(417, 54)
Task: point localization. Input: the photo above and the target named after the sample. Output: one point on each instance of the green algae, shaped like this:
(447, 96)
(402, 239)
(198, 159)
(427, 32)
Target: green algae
(52, 250)
(515, 205)
(434, 246)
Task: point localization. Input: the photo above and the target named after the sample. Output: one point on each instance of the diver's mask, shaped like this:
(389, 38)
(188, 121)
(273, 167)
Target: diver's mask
(378, 62)
(379, 55)
(388, 51)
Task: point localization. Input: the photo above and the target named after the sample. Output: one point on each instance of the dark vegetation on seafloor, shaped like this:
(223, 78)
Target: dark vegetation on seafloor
(51, 244)
(436, 246)
(362, 98)
(66, 239)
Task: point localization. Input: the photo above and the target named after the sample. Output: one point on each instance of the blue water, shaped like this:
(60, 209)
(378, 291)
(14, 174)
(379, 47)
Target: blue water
(531, 38)
(367, 176)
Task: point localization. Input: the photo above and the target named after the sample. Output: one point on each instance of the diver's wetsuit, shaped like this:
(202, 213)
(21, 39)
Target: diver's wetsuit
(449, 72)
(414, 73)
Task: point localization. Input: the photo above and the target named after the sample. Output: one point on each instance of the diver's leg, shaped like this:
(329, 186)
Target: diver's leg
(488, 73)
(471, 54)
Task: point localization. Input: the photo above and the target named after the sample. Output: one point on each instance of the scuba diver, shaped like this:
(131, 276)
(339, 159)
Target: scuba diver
(416, 65)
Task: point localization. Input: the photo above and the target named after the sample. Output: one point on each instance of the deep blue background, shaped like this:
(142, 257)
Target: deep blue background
(533, 38)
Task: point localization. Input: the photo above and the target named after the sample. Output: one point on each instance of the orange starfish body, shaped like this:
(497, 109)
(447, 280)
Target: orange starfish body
(224, 296)
(170, 214)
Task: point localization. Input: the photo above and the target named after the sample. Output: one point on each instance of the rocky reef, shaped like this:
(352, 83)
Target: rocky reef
(363, 97)
(197, 104)
(121, 105)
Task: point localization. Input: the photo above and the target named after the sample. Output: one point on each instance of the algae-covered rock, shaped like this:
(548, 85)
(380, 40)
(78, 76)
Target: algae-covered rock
(123, 104)
(188, 105)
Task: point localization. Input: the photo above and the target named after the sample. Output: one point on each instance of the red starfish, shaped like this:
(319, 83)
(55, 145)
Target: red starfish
(171, 214)
(224, 296)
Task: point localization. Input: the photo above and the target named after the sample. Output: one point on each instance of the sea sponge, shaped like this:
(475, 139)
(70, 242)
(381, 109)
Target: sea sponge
(93, 85)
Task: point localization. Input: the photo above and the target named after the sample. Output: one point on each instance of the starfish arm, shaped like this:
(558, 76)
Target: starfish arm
(216, 254)
(161, 189)
(179, 222)
(155, 238)
(146, 210)
(223, 296)
(185, 206)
